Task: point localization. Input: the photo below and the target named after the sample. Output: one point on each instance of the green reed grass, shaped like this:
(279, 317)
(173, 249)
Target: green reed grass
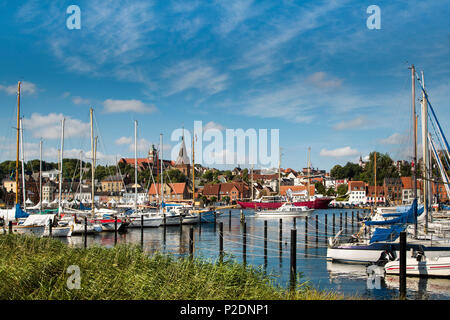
(36, 268)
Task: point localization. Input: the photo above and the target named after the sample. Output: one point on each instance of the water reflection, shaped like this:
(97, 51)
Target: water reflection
(275, 259)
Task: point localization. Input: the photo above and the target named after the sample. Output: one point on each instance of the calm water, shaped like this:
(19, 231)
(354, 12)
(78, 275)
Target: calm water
(349, 280)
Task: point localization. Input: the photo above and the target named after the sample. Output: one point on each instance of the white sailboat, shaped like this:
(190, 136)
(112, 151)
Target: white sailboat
(145, 218)
(286, 210)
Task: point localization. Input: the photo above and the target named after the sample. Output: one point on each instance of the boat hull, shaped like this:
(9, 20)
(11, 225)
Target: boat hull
(149, 222)
(58, 232)
(372, 253)
(429, 267)
(319, 203)
(32, 230)
(274, 214)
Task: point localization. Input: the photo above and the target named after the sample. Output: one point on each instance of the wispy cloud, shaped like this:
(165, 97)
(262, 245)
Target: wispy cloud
(114, 106)
(339, 152)
(49, 126)
(192, 74)
(355, 123)
(25, 87)
(395, 138)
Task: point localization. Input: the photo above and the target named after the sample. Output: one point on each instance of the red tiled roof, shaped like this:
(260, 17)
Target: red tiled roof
(356, 185)
(176, 188)
(283, 189)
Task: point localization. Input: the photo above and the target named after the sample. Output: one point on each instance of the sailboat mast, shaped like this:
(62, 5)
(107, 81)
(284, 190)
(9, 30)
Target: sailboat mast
(252, 182)
(135, 164)
(162, 168)
(279, 174)
(17, 151)
(92, 163)
(414, 172)
(425, 154)
(375, 178)
(24, 193)
(193, 172)
(61, 169)
(309, 172)
(40, 173)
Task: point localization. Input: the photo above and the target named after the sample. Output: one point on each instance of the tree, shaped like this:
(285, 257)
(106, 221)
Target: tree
(226, 199)
(385, 169)
(405, 170)
(331, 192)
(342, 189)
(213, 199)
(320, 188)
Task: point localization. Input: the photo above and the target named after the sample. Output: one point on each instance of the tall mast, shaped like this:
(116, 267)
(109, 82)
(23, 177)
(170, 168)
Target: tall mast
(61, 169)
(425, 154)
(309, 171)
(81, 171)
(24, 192)
(414, 172)
(92, 163)
(252, 182)
(162, 169)
(193, 172)
(17, 151)
(40, 173)
(135, 164)
(279, 174)
(375, 178)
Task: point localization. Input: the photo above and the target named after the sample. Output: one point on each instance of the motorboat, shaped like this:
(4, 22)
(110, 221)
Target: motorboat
(286, 210)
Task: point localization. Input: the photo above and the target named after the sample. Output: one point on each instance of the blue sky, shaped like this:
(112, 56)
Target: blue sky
(311, 69)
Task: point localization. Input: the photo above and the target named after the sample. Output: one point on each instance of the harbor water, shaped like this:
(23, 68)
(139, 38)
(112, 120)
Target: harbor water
(347, 279)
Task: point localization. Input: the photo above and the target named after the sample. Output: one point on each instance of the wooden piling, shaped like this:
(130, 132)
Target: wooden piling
(340, 221)
(50, 228)
(265, 243)
(293, 268)
(402, 265)
(191, 242)
(142, 231)
(10, 227)
(326, 227)
(306, 229)
(221, 241)
(85, 232)
(244, 243)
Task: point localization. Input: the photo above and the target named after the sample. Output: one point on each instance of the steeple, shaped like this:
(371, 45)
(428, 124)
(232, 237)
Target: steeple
(182, 155)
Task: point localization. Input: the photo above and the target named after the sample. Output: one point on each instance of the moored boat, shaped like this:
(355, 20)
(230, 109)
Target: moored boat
(286, 210)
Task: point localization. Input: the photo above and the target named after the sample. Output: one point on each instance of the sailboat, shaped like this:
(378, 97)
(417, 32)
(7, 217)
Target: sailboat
(383, 244)
(141, 218)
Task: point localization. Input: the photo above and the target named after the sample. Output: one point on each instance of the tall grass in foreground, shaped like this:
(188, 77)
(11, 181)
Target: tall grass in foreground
(36, 268)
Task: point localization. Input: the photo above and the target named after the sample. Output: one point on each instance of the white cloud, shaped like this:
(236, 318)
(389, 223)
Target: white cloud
(323, 80)
(25, 87)
(213, 125)
(339, 152)
(113, 106)
(80, 100)
(351, 124)
(395, 138)
(190, 74)
(123, 140)
(49, 126)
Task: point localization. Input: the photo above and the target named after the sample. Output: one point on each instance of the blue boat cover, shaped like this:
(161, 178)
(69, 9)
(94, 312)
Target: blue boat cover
(405, 217)
(20, 213)
(445, 207)
(383, 234)
(82, 207)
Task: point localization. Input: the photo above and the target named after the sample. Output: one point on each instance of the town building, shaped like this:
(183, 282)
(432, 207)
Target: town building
(112, 184)
(357, 192)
